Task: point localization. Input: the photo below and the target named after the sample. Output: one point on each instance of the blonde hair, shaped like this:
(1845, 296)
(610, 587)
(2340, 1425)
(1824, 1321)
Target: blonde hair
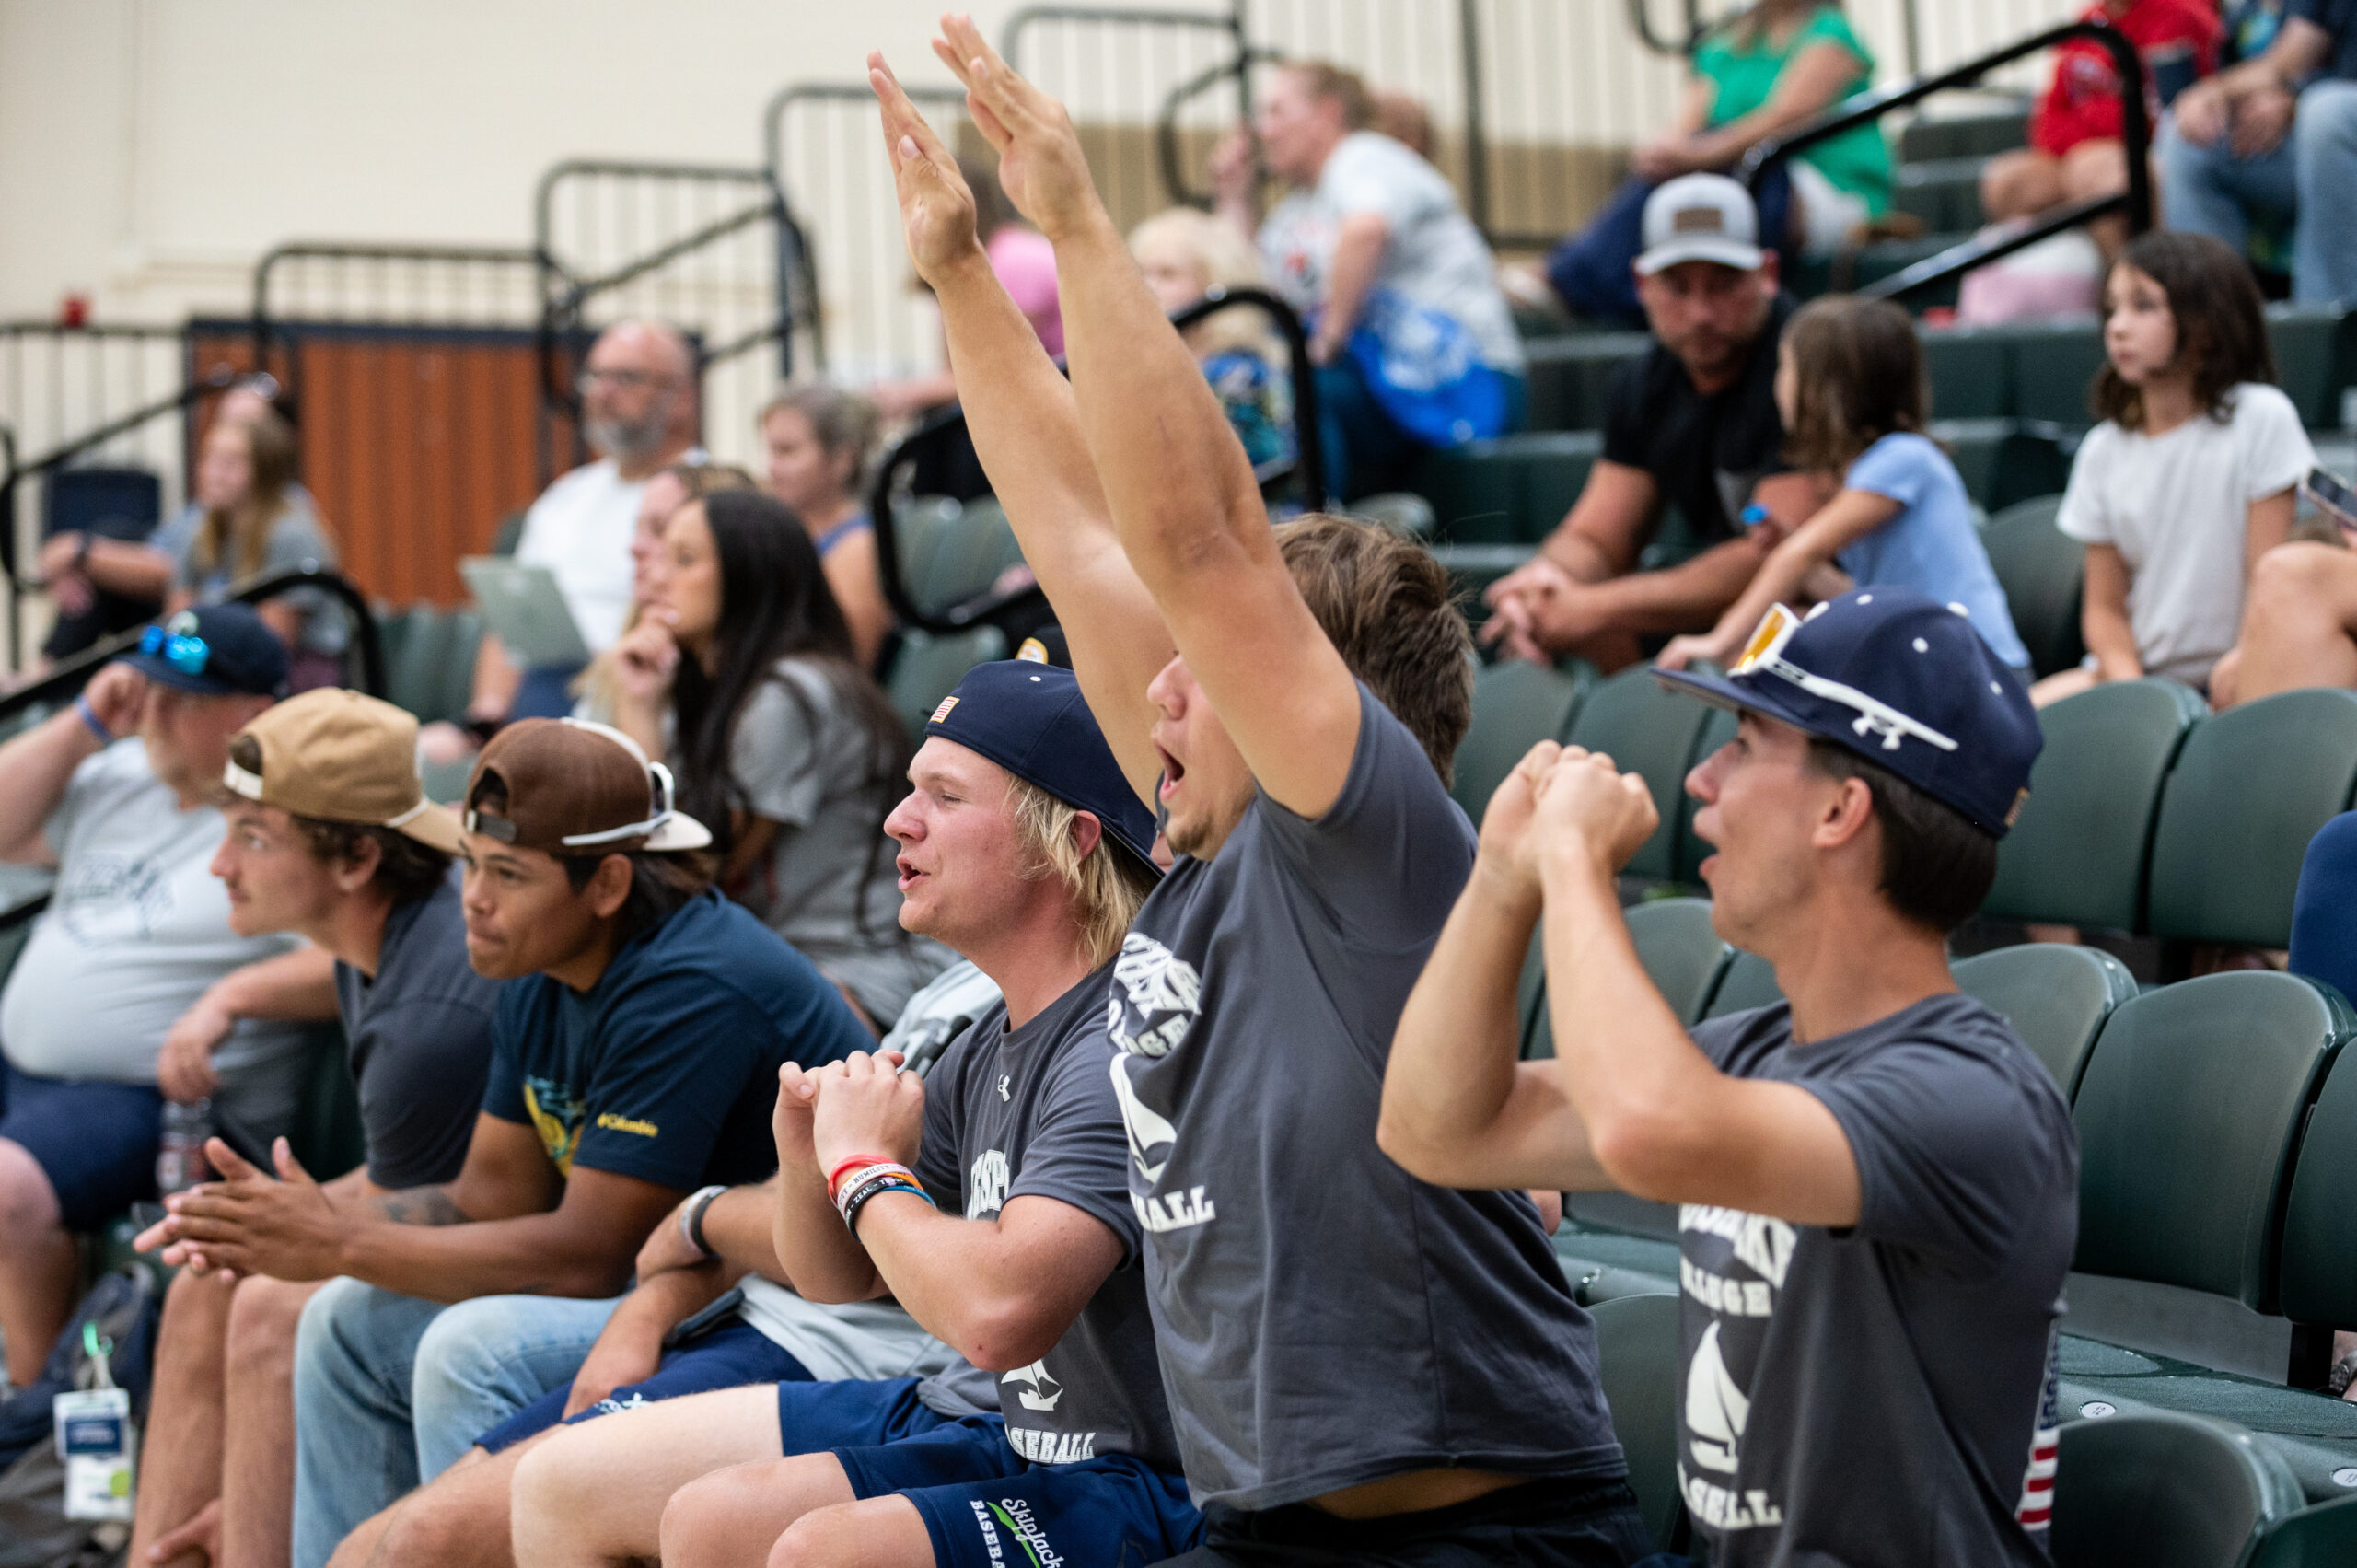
(1226, 259)
(1108, 883)
(241, 533)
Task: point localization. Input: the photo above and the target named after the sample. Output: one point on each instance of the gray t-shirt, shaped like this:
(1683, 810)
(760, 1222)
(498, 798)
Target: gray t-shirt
(1884, 1393)
(137, 928)
(419, 1037)
(1010, 1113)
(294, 537)
(1324, 1318)
(829, 886)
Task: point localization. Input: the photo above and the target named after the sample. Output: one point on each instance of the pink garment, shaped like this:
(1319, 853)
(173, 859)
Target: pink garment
(2050, 280)
(1026, 265)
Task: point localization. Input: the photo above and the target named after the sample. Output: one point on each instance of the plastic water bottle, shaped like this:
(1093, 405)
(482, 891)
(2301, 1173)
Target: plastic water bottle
(180, 1157)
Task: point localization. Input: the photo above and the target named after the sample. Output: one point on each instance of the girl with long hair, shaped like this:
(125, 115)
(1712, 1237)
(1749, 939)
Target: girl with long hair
(250, 526)
(816, 441)
(742, 671)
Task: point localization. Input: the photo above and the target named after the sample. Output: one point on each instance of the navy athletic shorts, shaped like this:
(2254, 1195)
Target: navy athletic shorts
(95, 1140)
(1542, 1524)
(731, 1356)
(986, 1507)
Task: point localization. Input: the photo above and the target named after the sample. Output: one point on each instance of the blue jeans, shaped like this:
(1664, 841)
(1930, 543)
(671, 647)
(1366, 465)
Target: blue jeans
(2310, 178)
(389, 1390)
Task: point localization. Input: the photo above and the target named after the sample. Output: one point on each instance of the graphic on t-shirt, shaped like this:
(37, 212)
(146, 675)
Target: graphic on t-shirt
(1159, 997)
(2036, 1510)
(1150, 1137)
(1715, 1408)
(986, 1185)
(557, 1115)
(1732, 1263)
(105, 898)
(1040, 1390)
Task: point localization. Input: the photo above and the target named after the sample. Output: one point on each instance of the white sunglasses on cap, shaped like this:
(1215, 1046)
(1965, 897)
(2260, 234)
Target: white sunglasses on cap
(1764, 655)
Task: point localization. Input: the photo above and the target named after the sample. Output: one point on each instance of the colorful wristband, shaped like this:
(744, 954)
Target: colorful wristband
(861, 1196)
(89, 717)
(856, 1162)
(873, 1180)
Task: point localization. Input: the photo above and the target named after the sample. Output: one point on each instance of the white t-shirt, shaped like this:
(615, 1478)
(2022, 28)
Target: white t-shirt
(580, 529)
(136, 929)
(856, 1341)
(1434, 258)
(2177, 506)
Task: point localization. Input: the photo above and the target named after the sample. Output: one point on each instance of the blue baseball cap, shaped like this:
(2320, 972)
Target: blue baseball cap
(1905, 682)
(215, 650)
(1030, 719)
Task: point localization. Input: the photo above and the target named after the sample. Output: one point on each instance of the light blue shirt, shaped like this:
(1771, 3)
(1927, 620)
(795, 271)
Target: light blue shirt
(1931, 546)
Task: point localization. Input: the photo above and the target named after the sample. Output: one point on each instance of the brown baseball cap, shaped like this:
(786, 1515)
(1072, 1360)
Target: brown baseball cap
(339, 756)
(573, 788)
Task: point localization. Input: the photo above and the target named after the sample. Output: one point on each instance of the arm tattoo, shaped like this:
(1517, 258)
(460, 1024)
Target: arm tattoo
(421, 1205)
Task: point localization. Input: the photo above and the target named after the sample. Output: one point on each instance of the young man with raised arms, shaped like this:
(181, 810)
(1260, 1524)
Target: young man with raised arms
(1877, 1181)
(1356, 1361)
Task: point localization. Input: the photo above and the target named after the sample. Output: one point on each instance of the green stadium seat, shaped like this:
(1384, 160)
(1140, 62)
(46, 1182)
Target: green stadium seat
(928, 668)
(1649, 730)
(2079, 853)
(2318, 1282)
(960, 555)
(1402, 512)
(1749, 982)
(1980, 135)
(1565, 376)
(1636, 1343)
(2162, 1491)
(2248, 791)
(1683, 957)
(2004, 462)
(1512, 489)
(456, 687)
(2053, 365)
(1517, 704)
(2316, 358)
(1943, 192)
(2188, 1112)
(2056, 997)
(1968, 371)
(1473, 567)
(2321, 1537)
(2042, 571)
(414, 657)
(1717, 730)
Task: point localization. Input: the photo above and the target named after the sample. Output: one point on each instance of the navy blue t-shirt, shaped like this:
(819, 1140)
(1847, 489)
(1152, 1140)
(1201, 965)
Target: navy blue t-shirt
(666, 1069)
(2337, 18)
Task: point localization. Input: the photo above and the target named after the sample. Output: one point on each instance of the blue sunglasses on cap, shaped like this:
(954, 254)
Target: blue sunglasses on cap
(184, 652)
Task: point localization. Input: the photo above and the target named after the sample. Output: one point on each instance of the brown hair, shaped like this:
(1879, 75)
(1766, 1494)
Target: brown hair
(406, 869)
(701, 479)
(841, 420)
(660, 884)
(1334, 85)
(1386, 605)
(1861, 371)
(242, 532)
(1936, 866)
(2220, 327)
(1108, 883)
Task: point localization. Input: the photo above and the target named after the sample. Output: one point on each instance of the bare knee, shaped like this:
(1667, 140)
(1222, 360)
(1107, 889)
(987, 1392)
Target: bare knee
(263, 1316)
(28, 1203)
(2094, 168)
(2017, 183)
(2300, 571)
(707, 1521)
(815, 1540)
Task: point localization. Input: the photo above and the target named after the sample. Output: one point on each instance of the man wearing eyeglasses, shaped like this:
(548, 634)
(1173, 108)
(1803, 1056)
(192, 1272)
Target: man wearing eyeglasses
(639, 413)
(116, 793)
(635, 1059)
(1877, 1181)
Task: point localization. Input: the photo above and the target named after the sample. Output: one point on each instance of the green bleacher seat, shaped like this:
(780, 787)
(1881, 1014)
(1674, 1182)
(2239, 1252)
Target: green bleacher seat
(1749, 982)
(1517, 704)
(1979, 135)
(2166, 1491)
(458, 682)
(2078, 855)
(2318, 1282)
(1944, 193)
(1683, 957)
(2057, 997)
(2042, 570)
(2053, 364)
(1473, 567)
(414, 656)
(1401, 511)
(1645, 729)
(1969, 371)
(960, 556)
(2316, 358)
(1637, 1359)
(2004, 462)
(2321, 1537)
(1512, 490)
(2248, 791)
(1565, 376)
(928, 668)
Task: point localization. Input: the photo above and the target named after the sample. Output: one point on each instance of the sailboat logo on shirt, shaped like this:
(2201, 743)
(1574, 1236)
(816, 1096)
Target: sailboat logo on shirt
(1715, 1409)
(1158, 996)
(1041, 1392)
(1150, 1137)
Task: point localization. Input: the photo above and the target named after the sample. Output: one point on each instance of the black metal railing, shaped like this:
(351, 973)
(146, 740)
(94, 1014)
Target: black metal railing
(996, 607)
(1867, 107)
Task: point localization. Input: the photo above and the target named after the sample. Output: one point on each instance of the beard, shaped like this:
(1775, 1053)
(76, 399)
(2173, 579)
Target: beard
(631, 439)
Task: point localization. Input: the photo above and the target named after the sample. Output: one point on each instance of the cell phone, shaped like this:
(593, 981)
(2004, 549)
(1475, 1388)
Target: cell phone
(241, 1138)
(702, 1323)
(2333, 496)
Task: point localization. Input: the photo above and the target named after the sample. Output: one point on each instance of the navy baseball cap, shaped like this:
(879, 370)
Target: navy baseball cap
(1905, 682)
(1030, 719)
(213, 650)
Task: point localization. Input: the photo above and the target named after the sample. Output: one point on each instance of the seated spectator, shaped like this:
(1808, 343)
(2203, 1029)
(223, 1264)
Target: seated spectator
(248, 526)
(121, 994)
(2299, 623)
(1184, 254)
(1404, 118)
(666, 490)
(2075, 153)
(1762, 73)
(1027, 853)
(1414, 344)
(742, 671)
(329, 837)
(817, 440)
(1692, 424)
(1849, 384)
(2190, 480)
(639, 413)
(2276, 137)
(631, 1061)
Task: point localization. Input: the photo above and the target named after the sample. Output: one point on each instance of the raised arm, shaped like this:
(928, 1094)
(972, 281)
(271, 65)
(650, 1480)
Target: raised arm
(1025, 428)
(36, 766)
(1180, 490)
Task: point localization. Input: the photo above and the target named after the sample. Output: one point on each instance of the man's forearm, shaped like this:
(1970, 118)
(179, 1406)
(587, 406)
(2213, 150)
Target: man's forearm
(820, 1257)
(440, 1259)
(420, 1205)
(736, 1226)
(1350, 276)
(298, 986)
(1687, 596)
(34, 771)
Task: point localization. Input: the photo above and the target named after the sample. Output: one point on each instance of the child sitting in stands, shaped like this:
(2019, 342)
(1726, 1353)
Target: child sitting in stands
(1186, 254)
(1849, 386)
(2190, 477)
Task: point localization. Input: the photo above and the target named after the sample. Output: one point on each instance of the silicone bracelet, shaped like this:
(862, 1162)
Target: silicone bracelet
(860, 1199)
(89, 717)
(835, 1177)
(866, 1183)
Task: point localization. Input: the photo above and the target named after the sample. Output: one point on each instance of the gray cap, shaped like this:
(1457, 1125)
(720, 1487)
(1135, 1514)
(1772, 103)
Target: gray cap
(1701, 217)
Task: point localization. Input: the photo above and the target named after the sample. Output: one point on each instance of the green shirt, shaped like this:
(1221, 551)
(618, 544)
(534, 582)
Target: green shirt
(1743, 78)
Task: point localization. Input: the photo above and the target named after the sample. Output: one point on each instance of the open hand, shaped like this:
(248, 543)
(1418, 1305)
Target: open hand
(1040, 166)
(1587, 805)
(1233, 165)
(936, 208)
(289, 1229)
(2261, 121)
(1706, 647)
(2200, 113)
(627, 1351)
(866, 1105)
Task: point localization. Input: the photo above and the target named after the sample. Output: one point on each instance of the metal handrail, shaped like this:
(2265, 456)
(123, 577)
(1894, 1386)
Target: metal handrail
(2136, 136)
(991, 606)
(1011, 42)
(70, 675)
(1165, 129)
